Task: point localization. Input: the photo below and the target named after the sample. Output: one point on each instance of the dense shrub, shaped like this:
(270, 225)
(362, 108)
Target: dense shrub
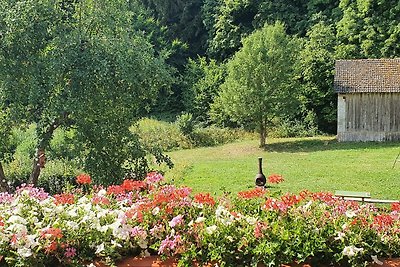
(170, 136)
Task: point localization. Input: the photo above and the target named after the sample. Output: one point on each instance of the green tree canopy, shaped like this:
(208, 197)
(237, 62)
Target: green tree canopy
(258, 86)
(79, 64)
(369, 29)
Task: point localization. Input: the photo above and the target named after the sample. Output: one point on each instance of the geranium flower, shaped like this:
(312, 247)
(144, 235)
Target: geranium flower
(254, 193)
(176, 221)
(70, 252)
(275, 179)
(202, 198)
(64, 198)
(83, 179)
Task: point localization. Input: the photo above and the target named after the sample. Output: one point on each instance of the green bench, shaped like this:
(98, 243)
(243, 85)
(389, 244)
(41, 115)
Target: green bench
(352, 195)
(362, 196)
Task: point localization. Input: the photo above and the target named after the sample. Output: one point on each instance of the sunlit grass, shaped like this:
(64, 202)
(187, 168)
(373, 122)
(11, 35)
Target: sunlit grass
(316, 164)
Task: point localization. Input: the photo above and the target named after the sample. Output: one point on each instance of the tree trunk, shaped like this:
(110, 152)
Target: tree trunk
(3, 181)
(40, 158)
(38, 163)
(263, 134)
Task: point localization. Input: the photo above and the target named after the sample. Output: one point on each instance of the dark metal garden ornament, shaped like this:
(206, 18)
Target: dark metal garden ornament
(260, 177)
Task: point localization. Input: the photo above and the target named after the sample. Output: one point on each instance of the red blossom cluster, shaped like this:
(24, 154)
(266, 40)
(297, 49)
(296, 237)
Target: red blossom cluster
(51, 233)
(132, 185)
(83, 179)
(382, 221)
(259, 228)
(396, 206)
(204, 199)
(100, 200)
(275, 179)
(64, 198)
(254, 193)
(326, 197)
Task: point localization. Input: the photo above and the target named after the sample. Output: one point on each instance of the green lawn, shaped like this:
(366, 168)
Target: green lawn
(316, 164)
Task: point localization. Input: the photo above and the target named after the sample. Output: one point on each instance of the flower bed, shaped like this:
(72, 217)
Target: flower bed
(141, 218)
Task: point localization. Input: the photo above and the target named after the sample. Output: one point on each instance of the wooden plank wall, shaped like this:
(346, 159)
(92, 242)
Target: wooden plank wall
(371, 117)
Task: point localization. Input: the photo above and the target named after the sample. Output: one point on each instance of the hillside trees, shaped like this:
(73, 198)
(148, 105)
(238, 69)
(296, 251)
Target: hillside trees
(79, 64)
(202, 81)
(258, 86)
(316, 71)
(369, 29)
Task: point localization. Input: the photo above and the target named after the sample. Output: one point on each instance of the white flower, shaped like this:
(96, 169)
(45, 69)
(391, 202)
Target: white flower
(142, 243)
(59, 209)
(344, 226)
(24, 252)
(251, 220)
(102, 193)
(16, 219)
(91, 265)
(307, 206)
(351, 251)
(99, 248)
(73, 225)
(191, 223)
(350, 213)
(211, 229)
(375, 259)
(200, 220)
(31, 241)
(340, 236)
(155, 211)
(116, 244)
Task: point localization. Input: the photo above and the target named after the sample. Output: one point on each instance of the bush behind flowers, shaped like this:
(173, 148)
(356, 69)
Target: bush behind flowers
(139, 218)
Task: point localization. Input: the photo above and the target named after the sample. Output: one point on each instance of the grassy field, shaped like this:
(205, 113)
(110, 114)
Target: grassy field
(316, 164)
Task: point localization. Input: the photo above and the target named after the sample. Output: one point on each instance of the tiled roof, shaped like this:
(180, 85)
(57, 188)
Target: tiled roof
(367, 75)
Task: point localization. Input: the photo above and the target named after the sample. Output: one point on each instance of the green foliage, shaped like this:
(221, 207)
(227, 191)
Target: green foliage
(368, 29)
(185, 124)
(167, 136)
(71, 65)
(202, 81)
(259, 85)
(161, 134)
(284, 128)
(316, 71)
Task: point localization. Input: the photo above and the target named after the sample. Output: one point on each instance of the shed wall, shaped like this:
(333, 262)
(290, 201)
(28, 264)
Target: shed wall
(369, 117)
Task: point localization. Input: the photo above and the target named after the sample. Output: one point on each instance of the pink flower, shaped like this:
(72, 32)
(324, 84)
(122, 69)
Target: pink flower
(70, 252)
(153, 178)
(176, 221)
(169, 244)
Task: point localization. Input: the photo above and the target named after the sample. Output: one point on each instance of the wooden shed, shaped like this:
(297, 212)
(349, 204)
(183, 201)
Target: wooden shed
(368, 99)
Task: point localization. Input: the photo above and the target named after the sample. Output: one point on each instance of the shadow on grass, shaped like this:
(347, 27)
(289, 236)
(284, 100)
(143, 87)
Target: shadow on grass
(313, 145)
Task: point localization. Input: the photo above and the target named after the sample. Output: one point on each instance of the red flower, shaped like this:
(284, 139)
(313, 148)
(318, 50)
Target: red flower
(51, 233)
(100, 200)
(64, 198)
(254, 193)
(275, 179)
(130, 185)
(396, 206)
(51, 248)
(115, 189)
(382, 221)
(83, 179)
(204, 199)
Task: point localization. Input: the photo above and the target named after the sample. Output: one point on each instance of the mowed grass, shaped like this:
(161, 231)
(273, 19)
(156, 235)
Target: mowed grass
(316, 164)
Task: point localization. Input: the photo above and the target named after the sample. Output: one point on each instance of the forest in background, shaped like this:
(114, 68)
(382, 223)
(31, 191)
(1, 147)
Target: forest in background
(202, 35)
